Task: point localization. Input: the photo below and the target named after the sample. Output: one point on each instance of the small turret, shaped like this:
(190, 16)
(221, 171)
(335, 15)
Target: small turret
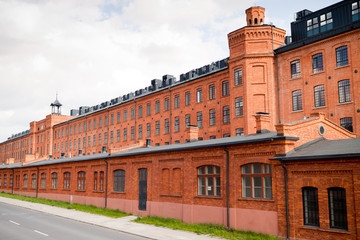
(255, 16)
(56, 107)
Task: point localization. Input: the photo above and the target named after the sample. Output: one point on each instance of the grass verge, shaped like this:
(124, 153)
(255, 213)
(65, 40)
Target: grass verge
(212, 230)
(79, 207)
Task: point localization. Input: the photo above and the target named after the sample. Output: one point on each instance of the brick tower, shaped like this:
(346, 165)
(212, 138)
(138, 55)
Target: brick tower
(251, 69)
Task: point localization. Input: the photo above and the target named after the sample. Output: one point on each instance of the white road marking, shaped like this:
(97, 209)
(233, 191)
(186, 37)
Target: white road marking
(44, 234)
(14, 222)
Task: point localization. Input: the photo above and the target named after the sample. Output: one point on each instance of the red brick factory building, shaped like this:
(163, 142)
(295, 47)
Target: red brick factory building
(264, 140)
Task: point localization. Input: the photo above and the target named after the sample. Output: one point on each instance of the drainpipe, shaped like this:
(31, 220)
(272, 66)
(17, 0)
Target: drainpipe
(37, 182)
(12, 185)
(227, 189)
(106, 179)
(286, 201)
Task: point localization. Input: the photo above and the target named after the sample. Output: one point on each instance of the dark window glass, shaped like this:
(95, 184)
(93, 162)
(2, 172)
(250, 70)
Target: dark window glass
(239, 106)
(119, 181)
(199, 119)
(212, 117)
(295, 69)
(238, 76)
(319, 96)
(297, 100)
(347, 123)
(225, 88)
(337, 208)
(344, 91)
(209, 183)
(342, 56)
(226, 114)
(310, 206)
(211, 92)
(317, 62)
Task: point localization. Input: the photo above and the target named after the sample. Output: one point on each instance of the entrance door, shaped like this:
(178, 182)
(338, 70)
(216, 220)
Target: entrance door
(142, 188)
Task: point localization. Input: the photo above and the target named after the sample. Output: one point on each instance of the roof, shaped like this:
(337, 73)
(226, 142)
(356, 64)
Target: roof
(324, 149)
(56, 103)
(221, 142)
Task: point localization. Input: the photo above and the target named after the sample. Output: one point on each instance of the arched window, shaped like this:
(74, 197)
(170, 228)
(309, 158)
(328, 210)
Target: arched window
(209, 181)
(256, 181)
(25, 181)
(95, 181)
(119, 180)
(43, 181)
(81, 180)
(33, 181)
(67, 180)
(54, 180)
(310, 206)
(101, 181)
(337, 208)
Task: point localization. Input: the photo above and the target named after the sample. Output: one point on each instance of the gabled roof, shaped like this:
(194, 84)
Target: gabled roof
(324, 149)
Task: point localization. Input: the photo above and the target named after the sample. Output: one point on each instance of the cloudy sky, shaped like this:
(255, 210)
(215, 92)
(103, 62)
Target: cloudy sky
(95, 50)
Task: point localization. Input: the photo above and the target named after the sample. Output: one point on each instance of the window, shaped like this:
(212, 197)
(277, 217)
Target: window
(111, 137)
(94, 141)
(5, 180)
(167, 104)
(297, 100)
(132, 133)
(89, 141)
(344, 91)
(167, 126)
(105, 138)
(99, 139)
(319, 96)
(112, 119)
(226, 114)
(176, 101)
(94, 124)
(312, 26)
(157, 106)
(256, 181)
(239, 131)
(148, 129)
(212, 117)
(118, 117)
(239, 106)
(346, 123)
(101, 181)
(125, 134)
(100, 122)
(317, 63)
(67, 180)
(140, 131)
(84, 129)
(95, 181)
(125, 115)
(43, 181)
(140, 111)
(148, 109)
(54, 180)
(11, 180)
(198, 95)
(225, 88)
(33, 181)
(355, 11)
(187, 98)
(310, 206)
(119, 181)
(337, 208)
(25, 181)
(212, 92)
(157, 127)
(118, 135)
(187, 120)
(199, 119)
(238, 76)
(177, 124)
(81, 181)
(326, 22)
(132, 113)
(295, 69)
(106, 120)
(342, 56)
(209, 181)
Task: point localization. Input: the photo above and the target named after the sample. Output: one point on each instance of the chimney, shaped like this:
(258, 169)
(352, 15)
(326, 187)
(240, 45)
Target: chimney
(262, 122)
(148, 142)
(80, 152)
(192, 133)
(104, 149)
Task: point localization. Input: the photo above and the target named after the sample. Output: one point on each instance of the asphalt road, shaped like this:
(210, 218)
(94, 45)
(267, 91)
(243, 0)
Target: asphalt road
(23, 224)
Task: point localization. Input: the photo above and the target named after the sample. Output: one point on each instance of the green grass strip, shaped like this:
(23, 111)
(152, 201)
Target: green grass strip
(79, 207)
(209, 229)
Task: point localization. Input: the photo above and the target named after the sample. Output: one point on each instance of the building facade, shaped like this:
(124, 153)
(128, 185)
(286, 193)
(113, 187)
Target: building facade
(264, 140)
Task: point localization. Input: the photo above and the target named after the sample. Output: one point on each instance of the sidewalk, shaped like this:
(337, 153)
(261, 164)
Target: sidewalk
(123, 224)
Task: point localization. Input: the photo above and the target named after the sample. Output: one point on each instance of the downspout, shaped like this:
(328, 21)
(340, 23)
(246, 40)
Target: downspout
(12, 185)
(37, 182)
(286, 201)
(227, 189)
(106, 179)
